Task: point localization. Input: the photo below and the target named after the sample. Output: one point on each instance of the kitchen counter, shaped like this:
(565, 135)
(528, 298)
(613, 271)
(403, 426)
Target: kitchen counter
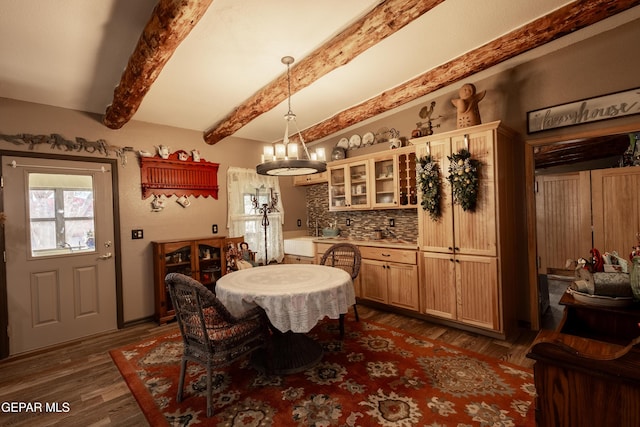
(383, 243)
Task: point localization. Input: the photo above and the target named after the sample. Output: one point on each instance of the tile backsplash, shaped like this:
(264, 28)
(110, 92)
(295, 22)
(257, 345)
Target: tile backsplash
(362, 223)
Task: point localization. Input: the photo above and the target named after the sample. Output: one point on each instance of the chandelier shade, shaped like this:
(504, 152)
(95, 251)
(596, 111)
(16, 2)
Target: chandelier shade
(282, 159)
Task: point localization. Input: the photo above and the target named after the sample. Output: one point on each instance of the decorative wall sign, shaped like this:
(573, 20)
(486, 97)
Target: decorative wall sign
(589, 110)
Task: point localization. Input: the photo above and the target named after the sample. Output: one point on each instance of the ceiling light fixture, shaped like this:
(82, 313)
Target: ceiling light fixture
(282, 158)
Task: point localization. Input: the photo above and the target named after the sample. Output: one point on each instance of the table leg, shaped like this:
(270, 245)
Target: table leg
(290, 353)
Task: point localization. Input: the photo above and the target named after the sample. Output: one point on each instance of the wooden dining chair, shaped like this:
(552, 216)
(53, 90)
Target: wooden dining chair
(347, 257)
(212, 336)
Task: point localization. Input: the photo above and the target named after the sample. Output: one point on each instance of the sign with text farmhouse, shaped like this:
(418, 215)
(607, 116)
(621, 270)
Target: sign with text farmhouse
(603, 107)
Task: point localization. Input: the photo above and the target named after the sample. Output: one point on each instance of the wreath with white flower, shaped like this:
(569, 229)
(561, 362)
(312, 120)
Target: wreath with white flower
(463, 176)
(428, 172)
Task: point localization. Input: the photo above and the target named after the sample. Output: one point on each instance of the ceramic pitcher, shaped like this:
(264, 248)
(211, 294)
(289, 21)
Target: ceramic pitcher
(163, 151)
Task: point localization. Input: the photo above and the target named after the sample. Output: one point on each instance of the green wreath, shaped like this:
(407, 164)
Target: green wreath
(428, 172)
(463, 176)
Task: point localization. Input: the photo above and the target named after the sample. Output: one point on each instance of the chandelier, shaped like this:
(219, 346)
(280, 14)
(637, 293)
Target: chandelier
(282, 158)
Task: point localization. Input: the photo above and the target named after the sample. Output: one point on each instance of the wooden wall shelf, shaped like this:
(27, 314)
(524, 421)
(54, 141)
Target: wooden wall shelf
(178, 177)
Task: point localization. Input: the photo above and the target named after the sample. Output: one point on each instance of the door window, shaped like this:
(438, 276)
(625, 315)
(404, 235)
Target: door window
(61, 214)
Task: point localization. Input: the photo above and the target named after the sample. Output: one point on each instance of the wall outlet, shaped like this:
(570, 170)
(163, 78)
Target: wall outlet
(392, 222)
(348, 222)
(214, 228)
(299, 223)
(137, 234)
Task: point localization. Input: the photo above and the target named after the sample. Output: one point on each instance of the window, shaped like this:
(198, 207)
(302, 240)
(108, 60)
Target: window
(244, 220)
(61, 214)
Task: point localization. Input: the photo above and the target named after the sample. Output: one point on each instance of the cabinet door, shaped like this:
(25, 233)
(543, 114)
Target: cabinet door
(373, 280)
(437, 236)
(477, 291)
(563, 219)
(170, 257)
(402, 284)
(338, 188)
(211, 261)
(384, 182)
(475, 232)
(314, 178)
(358, 189)
(615, 195)
(437, 274)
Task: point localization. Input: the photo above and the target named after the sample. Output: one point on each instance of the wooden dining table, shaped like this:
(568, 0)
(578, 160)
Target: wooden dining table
(294, 297)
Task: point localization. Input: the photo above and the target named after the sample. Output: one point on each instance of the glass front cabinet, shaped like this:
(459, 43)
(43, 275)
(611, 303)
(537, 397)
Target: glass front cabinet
(393, 179)
(202, 259)
(349, 186)
(384, 180)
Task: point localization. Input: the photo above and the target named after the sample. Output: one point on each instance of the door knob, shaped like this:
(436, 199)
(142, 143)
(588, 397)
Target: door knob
(106, 256)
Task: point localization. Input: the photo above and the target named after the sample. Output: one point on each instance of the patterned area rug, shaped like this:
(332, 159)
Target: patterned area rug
(377, 376)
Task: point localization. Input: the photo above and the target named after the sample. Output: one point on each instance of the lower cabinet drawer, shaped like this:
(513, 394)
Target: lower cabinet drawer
(387, 254)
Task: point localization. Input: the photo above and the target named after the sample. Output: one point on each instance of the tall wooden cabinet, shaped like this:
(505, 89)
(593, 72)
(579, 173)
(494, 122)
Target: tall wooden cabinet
(203, 259)
(472, 263)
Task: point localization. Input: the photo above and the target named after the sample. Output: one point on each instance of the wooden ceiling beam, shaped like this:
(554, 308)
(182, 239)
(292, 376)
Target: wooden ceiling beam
(385, 19)
(565, 20)
(170, 23)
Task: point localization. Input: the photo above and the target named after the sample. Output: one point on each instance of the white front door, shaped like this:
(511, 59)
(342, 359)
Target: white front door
(59, 233)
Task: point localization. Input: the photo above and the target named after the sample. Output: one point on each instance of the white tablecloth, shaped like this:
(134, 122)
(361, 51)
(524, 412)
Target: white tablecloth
(294, 296)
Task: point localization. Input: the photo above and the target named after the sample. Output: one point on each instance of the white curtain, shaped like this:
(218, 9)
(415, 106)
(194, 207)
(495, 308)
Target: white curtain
(245, 221)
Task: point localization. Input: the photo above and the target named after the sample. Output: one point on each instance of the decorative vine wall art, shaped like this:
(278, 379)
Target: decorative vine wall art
(57, 141)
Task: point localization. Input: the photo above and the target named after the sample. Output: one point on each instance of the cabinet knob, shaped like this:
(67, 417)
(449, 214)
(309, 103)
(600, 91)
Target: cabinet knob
(456, 248)
(450, 248)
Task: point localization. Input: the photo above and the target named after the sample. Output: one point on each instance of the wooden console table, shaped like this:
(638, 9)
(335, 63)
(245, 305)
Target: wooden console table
(587, 371)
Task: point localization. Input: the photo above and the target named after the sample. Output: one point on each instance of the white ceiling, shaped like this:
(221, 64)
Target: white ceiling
(71, 54)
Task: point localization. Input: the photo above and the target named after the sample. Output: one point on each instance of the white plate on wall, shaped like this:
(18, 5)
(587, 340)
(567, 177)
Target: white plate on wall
(343, 143)
(355, 141)
(368, 139)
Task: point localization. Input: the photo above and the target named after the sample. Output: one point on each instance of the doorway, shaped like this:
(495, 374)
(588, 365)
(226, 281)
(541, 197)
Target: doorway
(558, 152)
(61, 250)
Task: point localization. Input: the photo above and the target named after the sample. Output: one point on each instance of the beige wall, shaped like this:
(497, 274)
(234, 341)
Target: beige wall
(600, 65)
(174, 222)
(607, 63)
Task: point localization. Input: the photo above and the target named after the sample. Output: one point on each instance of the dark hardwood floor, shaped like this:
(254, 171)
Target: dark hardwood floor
(83, 375)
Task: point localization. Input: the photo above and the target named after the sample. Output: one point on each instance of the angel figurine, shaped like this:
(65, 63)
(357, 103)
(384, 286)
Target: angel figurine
(467, 105)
